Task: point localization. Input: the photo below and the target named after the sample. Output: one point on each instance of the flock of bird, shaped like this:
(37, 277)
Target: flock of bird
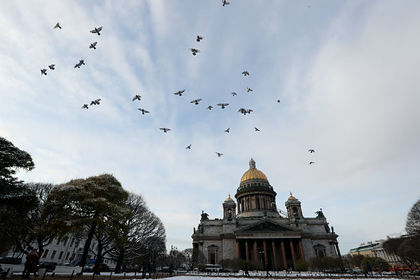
(194, 51)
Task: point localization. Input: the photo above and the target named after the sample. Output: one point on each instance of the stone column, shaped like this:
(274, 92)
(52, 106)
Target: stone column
(283, 254)
(238, 254)
(246, 250)
(293, 253)
(255, 252)
(273, 245)
(265, 252)
(302, 255)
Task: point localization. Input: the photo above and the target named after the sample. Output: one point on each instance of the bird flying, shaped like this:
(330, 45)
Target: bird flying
(93, 45)
(96, 30)
(196, 101)
(85, 106)
(179, 92)
(210, 107)
(57, 25)
(219, 154)
(44, 72)
(256, 129)
(249, 89)
(199, 38)
(311, 162)
(311, 151)
(143, 111)
(194, 51)
(80, 63)
(51, 66)
(227, 130)
(278, 100)
(95, 102)
(223, 105)
(188, 147)
(165, 129)
(137, 97)
(245, 111)
(245, 73)
(234, 93)
(225, 2)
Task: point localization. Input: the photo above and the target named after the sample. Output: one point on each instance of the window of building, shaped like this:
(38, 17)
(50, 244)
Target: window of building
(61, 254)
(58, 240)
(65, 240)
(53, 254)
(72, 241)
(212, 254)
(67, 255)
(45, 254)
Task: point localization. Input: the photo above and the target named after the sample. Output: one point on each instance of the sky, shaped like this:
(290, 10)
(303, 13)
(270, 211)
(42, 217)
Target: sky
(346, 74)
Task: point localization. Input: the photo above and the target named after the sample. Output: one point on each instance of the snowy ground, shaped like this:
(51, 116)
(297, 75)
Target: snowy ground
(187, 277)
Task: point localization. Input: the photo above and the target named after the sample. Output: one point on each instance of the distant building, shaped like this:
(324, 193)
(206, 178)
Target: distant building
(252, 229)
(376, 249)
(66, 250)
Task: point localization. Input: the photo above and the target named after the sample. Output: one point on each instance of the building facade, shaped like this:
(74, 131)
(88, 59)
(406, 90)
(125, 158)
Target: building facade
(376, 249)
(253, 229)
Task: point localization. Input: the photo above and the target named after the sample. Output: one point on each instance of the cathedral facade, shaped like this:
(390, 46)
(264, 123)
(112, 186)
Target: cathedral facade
(253, 229)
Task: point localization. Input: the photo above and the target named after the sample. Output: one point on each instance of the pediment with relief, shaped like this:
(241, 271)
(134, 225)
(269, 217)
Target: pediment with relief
(267, 226)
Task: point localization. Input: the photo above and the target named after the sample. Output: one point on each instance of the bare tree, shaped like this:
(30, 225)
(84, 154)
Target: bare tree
(413, 220)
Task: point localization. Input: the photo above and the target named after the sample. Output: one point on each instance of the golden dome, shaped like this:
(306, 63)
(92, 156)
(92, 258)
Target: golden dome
(291, 196)
(228, 199)
(253, 173)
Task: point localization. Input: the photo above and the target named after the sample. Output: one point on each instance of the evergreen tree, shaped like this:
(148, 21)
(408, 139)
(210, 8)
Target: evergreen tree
(16, 200)
(84, 207)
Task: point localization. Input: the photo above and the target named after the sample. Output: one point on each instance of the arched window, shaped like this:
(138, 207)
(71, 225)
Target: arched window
(320, 250)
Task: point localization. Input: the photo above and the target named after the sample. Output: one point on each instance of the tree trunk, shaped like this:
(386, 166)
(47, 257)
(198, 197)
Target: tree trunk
(120, 261)
(87, 245)
(98, 260)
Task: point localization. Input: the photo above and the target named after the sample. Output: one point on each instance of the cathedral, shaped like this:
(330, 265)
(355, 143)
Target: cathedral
(253, 229)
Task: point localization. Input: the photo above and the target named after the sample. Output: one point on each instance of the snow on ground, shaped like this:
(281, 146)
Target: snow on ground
(250, 278)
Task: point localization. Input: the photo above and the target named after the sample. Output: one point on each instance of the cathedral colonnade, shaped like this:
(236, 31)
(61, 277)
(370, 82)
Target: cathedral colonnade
(271, 253)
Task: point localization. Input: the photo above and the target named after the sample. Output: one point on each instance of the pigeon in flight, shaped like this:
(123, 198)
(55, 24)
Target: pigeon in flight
(179, 92)
(225, 2)
(227, 130)
(165, 129)
(234, 93)
(57, 25)
(194, 51)
(51, 66)
(242, 111)
(278, 100)
(80, 63)
(249, 89)
(245, 111)
(210, 107)
(223, 105)
(85, 106)
(311, 162)
(256, 129)
(44, 72)
(199, 38)
(93, 45)
(95, 102)
(219, 154)
(311, 151)
(245, 73)
(196, 101)
(188, 147)
(143, 111)
(137, 97)
(97, 30)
